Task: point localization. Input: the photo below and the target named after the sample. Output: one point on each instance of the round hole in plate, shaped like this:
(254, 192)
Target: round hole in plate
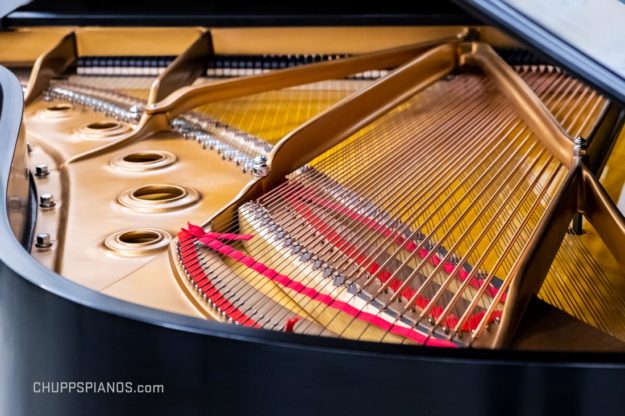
(137, 242)
(139, 237)
(143, 157)
(156, 198)
(144, 160)
(158, 193)
(103, 129)
(56, 111)
(59, 107)
(103, 125)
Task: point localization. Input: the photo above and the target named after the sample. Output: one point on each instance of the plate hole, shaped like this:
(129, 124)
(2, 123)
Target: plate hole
(103, 125)
(155, 198)
(59, 107)
(138, 242)
(143, 157)
(144, 160)
(160, 193)
(139, 237)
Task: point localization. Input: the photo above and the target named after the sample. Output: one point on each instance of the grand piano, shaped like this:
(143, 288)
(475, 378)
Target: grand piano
(246, 208)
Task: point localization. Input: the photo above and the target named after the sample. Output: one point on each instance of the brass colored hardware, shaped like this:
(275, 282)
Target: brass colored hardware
(144, 161)
(49, 65)
(138, 242)
(158, 198)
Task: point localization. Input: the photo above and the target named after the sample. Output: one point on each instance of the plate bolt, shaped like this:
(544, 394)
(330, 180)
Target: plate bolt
(46, 201)
(43, 240)
(259, 166)
(42, 171)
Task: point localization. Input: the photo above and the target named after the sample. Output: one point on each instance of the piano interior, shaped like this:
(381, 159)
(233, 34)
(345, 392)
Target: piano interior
(438, 186)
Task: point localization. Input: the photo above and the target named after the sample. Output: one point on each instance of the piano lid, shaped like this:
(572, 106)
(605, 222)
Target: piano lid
(7, 6)
(583, 36)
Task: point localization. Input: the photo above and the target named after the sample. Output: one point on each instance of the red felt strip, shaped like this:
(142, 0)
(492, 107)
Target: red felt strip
(311, 293)
(290, 324)
(191, 261)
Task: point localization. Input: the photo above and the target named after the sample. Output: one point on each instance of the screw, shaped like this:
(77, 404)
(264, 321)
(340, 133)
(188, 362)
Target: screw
(46, 201)
(42, 170)
(580, 146)
(136, 109)
(43, 240)
(259, 166)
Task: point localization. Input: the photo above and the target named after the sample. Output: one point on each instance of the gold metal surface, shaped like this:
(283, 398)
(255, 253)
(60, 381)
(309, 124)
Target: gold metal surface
(90, 190)
(183, 70)
(532, 110)
(22, 47)
(191, 97)
(136, 41)
(137, 242)
(153, 198)
(325, 40)
(605, 217)
(257, 114)
(144, 161)
(49, 65)
(156, 117)
(102, 130)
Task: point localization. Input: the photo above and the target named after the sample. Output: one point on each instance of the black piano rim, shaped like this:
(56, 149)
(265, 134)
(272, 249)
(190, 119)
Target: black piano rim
(14, 256)
(237, 13)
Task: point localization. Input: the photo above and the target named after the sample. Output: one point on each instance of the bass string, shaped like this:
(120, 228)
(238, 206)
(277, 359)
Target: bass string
(272, 114)
(595, 110)
(422, 287)
(451, 308)
(574, 276)
(514, 240)
(506, 282)
(504, 236)
(563, 119)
